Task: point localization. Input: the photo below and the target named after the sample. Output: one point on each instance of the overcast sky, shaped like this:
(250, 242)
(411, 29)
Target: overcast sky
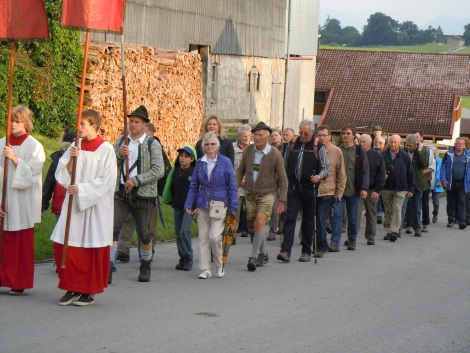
(452, 15)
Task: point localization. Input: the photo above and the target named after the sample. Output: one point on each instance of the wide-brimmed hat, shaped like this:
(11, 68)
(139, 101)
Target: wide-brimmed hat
(262, 126)
(142, 113)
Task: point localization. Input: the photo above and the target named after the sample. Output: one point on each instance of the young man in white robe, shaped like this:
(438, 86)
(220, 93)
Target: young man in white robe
(91, 222)
(23, 201)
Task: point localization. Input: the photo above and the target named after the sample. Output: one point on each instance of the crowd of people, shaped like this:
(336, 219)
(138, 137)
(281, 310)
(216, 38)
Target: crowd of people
(265, 177)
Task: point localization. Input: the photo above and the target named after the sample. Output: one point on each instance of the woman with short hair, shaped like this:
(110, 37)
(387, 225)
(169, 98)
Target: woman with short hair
(213, 180)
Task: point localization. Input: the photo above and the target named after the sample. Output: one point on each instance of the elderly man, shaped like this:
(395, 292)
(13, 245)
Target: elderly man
(379, 143)
(399, 183)
(307, 165)
(455, 178)
(288, 134)
(376, 184)
(420, 159)
(357, 183)
(244, 139)
(262, 168)
(330, 191)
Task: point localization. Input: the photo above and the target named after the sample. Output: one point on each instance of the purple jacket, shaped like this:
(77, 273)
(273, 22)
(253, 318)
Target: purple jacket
(220, 187)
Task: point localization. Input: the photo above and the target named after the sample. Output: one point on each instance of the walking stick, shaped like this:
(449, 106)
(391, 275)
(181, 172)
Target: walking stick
(315, 221)
(7, 143)
(74, 159)
(124, 105)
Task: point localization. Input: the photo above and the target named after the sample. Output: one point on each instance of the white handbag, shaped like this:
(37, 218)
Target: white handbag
(217, 209)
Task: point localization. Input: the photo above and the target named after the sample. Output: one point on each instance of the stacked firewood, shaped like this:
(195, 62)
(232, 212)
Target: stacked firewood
(168, 83)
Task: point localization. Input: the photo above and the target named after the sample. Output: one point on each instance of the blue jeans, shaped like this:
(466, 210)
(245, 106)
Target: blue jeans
(323, 209)
(337, 223)
(417, 207)
(352, 203)
(435, 203)
(183, 223)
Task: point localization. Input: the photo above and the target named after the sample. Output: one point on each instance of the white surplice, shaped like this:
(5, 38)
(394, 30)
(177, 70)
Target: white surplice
(91, 223)
(24, 185)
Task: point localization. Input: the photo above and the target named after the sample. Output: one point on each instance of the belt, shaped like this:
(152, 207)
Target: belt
(298, 186)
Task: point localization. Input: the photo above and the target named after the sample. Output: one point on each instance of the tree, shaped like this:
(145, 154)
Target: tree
(408, 33)
(427, 36)
(466, 34)
(439, 35)
(380, 30)
(331, 31)
(350, 36)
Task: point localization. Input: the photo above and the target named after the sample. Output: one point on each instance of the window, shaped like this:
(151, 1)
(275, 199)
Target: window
(214, 82)
(253, 79)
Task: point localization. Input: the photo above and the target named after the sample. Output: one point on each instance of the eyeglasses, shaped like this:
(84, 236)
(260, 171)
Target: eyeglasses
(210, 144)
(322, 135)
(346, 133)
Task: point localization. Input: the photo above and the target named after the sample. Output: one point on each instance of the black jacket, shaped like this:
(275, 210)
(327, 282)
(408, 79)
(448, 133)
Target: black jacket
(404, 172)
(310, 162)
(49, 182)
(376, 170)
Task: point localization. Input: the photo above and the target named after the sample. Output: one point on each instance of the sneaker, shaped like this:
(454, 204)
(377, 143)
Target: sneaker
(393, 236)
(271, 236)
(304, 257)
(283, 256)
(69, 298)
(346, 242)
(425, 228)
(144, 275)
(409, 230)
(251, 264)
(84, 300)
(462, 225)
(220, 272)
(333, 248)
(417, 232)
(262, 259)
(205, 274)
(122, 256)
(371, 241)
(434, 219)
(450, 224)
(352, 245)
(387, 236)
(16, 292)
(180, 265)
(188, 265)
(379, 220)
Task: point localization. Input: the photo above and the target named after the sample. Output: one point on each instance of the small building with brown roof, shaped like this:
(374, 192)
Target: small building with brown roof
(401, 92)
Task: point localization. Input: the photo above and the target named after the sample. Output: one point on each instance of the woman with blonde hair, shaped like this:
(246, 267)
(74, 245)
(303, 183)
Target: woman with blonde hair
(215, 125)
(25, 157)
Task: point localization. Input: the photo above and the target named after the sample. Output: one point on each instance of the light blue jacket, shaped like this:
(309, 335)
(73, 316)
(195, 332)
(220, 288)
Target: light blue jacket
(446, 169)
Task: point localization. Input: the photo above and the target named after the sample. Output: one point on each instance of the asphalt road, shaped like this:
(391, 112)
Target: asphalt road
(408, 296)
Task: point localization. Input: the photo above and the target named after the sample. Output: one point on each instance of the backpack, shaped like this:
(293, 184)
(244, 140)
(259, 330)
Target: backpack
(166, 163)
(290, 145)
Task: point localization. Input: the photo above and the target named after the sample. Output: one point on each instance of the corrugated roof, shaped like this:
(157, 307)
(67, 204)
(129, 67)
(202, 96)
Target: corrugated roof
(401, 92)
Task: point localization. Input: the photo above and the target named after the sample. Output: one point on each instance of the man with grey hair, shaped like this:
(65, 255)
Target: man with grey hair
(244, 139)
(307, 165)
(376, 184)
(399, 183)
(420, 160)
(379, 143)
(288, 134)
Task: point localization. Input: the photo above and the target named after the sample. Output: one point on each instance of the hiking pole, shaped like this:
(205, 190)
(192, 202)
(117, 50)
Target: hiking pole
(315, 221)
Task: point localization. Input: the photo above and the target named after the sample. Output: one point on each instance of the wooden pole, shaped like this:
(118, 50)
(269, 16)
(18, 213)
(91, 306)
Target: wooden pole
(124, 104)
(7, 143)
(77, 136)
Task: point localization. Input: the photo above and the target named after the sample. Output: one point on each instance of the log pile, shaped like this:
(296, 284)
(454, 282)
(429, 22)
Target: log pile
(168, 83)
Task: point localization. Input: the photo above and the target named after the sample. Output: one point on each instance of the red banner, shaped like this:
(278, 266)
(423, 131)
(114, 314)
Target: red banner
(23, 19)
(98, 15)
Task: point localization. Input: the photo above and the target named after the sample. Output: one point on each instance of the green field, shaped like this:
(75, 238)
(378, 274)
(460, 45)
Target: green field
(466, 102)
(427, 48)
(43, 246)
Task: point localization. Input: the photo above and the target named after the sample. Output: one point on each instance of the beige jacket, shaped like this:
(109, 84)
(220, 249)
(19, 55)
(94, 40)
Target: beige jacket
(336, 181)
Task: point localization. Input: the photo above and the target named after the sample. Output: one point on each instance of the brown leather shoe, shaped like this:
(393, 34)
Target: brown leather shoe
(283, 256)
(304, 257)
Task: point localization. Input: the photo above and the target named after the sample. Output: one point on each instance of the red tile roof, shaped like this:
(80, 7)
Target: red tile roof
(401, 92)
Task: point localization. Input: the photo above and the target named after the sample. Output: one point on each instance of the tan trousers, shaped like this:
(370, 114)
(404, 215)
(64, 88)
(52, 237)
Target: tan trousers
(210, 236)
(393, 201)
